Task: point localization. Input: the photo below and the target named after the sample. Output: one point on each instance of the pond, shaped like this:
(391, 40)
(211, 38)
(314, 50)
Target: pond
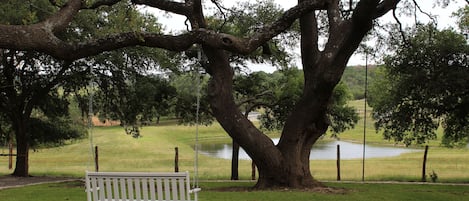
(320, 151)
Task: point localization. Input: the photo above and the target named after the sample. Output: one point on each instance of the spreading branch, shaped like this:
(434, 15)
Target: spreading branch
(42, 37)
(166, 5)
(333, 14)
(100, 3)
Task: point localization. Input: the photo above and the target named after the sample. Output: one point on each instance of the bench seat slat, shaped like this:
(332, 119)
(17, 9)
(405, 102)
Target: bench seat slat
(174, 188)
(167, 189)
(130, 188)
(101, 186)
(137, 182)
(159, 188)
(182, 189)
(122, 188)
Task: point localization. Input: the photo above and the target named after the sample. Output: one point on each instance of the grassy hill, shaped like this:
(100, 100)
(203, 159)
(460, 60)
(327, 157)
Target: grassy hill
(354, 77)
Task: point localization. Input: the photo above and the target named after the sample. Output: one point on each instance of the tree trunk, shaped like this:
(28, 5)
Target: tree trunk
(294, 171)
(22, 150)
(235, 161)
(287, 167)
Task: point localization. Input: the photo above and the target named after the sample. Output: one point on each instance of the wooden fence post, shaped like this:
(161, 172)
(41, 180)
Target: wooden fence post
(338, 162)
(424, 176)
(176, 160)
(96, 159)
(253, 171)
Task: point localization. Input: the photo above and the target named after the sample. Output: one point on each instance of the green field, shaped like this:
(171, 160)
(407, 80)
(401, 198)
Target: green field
(155, 152)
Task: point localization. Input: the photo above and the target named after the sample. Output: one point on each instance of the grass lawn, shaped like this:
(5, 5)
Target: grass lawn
(212, 191)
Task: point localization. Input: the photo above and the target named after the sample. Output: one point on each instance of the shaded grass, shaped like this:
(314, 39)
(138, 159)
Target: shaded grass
(211, 191)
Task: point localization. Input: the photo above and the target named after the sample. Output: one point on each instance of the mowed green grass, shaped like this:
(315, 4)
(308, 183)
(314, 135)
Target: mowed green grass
(235, 191)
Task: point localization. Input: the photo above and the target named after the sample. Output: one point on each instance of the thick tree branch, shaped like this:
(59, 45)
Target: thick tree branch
(197, 18)
(248, 45)
(100, 3)
(166, 5)
(257, 97)
(41, 36)
(60, 20)
(42, 41)
(344, 42)
(333, 15)
(384, 7)
(309, 42)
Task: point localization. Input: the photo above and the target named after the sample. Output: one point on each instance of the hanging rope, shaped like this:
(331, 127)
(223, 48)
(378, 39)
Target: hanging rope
(90, 118)
(196, 161)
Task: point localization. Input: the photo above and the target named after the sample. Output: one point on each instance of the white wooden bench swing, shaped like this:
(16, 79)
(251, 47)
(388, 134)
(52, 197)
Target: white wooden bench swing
(143, 186)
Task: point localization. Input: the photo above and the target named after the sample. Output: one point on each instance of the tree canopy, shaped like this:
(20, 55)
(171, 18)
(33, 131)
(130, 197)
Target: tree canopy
(424, 85)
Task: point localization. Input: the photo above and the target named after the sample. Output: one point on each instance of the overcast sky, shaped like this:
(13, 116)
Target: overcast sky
(175, 23)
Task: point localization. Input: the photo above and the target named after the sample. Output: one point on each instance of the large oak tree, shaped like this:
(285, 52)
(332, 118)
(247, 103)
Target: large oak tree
(284, 164)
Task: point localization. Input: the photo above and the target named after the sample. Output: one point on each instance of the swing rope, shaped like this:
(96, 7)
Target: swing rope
(196, 147)
(90, 119)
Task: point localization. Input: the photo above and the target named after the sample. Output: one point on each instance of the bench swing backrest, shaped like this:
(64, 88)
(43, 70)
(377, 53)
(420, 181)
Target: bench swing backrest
(139, 186)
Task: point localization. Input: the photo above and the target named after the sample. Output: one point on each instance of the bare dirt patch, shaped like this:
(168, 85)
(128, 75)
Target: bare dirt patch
(9, 181)
(325, 190)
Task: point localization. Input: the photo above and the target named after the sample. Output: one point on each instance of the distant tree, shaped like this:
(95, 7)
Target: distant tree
(187, 86)
(54, 131)
(354, 78)
(425, 85)
(135, 102)
(287, 91)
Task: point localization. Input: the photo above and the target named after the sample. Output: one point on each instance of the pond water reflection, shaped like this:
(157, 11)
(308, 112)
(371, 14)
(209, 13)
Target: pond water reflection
(320, 151)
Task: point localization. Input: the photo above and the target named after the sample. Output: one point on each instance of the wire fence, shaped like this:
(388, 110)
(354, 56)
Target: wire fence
(440, 165)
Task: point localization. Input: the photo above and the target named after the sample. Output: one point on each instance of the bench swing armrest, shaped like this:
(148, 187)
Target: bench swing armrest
(195, 190)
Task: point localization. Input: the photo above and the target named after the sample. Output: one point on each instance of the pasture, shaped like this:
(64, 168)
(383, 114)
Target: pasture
(155, 152)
